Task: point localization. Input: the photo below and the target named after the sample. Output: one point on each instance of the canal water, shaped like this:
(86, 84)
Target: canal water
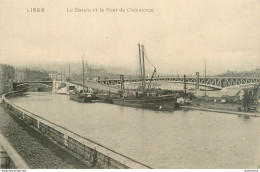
(179, 139)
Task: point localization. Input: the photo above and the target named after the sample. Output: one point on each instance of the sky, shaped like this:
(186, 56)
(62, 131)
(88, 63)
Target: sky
(179, 36)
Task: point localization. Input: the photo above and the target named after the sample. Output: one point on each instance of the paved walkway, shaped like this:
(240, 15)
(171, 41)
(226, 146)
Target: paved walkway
(37, 151)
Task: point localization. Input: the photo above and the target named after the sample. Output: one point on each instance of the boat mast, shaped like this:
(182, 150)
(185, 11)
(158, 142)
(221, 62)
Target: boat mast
(185, 86)
(140, 62)
(61, 73)
(64, 73)
(69, 69)
(83, 72)
(205, 80)
(143, 68)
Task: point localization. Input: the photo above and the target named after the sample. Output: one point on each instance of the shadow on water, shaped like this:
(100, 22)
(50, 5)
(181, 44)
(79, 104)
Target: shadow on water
(245, 117)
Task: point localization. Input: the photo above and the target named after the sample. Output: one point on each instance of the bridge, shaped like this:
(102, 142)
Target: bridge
(216, 83)
(212, 82)
(92, 84)
(49, 84)
(33, 85)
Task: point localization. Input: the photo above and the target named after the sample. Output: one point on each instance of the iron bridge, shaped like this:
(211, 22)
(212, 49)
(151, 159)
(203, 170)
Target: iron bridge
(212, 82)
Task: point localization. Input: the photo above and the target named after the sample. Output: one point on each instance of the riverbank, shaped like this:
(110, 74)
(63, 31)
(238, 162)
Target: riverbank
(180, 139)
(218, 107)
(37, 151)
(84, 149)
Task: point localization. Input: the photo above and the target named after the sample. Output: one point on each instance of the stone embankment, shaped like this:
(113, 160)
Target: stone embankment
(37, 151)
(44, 144)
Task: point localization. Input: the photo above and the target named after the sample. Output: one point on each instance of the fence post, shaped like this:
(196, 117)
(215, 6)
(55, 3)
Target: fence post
(38, 124)
(65, 139)
(94, 157)
(108, 161)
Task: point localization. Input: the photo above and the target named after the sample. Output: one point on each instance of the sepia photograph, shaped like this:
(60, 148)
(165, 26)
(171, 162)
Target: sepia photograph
(129, 84)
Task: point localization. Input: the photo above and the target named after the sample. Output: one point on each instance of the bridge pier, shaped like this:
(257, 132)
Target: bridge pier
(197, 81)
(224, 83)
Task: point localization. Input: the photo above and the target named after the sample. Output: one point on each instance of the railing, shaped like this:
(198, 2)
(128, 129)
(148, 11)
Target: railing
(96, 86)
(94, 82)
(88, 150)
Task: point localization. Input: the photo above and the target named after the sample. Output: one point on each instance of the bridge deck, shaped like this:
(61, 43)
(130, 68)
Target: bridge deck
(95, 86)
(213, 82)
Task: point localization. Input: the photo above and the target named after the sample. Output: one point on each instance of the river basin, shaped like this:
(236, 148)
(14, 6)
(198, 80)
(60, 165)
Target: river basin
(179, 139)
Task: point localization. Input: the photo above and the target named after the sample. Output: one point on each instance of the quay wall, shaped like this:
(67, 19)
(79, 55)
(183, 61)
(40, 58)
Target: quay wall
(85, 149)
(220, 111)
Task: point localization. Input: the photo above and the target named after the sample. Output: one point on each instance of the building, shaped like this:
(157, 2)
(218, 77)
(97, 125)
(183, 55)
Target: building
(20, 74)
(26, 74)
(57, 76)
(7, 74)
(35, 75)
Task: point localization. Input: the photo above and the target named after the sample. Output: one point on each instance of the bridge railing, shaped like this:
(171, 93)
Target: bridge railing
(88, 150)
(210, 81)
(180, 77)
(96, 86)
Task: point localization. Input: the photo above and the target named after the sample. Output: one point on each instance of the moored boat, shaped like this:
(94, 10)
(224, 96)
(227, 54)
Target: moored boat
(148, 98)
(164, 102)
(82, 96)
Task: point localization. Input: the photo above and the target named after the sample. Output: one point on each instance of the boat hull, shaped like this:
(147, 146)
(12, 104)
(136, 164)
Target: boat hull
(81, 98)
(167, 102)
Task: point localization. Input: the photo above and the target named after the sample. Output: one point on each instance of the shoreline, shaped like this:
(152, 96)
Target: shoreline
(88, 152)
